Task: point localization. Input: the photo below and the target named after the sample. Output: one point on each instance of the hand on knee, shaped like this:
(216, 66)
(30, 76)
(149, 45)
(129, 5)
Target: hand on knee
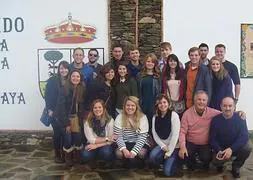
(143, 152)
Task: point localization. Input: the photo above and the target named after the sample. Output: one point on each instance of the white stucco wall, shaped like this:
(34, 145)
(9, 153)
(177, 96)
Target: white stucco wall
(189, 23)
(22, 75)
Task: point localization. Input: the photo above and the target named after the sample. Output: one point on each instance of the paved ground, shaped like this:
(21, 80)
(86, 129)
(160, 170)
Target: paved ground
(26, 162)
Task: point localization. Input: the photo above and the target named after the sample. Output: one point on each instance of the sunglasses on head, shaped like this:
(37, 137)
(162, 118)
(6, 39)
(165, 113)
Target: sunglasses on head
(95, 55)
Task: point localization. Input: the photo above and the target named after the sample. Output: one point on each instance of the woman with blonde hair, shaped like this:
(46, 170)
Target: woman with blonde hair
(221, 83)
(98, 129)
(149, 85)
(131, 128)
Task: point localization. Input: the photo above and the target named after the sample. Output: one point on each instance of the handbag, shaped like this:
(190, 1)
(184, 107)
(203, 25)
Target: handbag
(74, 123)
(74, 119)
(179, 107)
(45, 118)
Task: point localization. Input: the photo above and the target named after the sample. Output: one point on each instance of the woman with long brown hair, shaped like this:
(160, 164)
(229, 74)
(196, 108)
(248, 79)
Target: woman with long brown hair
(70, 110)
(149, 85)
(165, 131)
(98, 129)
(173, 83)
(54, 84)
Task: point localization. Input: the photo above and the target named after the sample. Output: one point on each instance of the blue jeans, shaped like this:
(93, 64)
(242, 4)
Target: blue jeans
(170, 165)
(105, 153)
(72, 139)
(58, 133)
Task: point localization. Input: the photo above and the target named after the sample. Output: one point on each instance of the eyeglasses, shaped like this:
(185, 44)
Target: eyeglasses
(95, 55)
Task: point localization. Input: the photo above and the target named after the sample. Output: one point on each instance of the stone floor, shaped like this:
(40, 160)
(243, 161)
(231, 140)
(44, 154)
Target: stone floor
(24, 162)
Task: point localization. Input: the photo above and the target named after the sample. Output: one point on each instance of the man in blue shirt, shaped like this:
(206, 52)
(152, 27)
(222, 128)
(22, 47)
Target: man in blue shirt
(86, 71)
(229, 137)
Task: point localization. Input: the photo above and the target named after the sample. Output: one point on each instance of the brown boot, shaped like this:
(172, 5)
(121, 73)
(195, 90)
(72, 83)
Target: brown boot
(76, 156)
(62, 155)
(58, 156)
(69, 158)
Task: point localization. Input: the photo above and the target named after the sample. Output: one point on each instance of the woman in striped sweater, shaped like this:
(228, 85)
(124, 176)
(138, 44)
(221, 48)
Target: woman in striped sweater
(131, 128)
(165, 131)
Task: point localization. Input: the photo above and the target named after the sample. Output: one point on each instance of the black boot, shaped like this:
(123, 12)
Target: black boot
(58, 156)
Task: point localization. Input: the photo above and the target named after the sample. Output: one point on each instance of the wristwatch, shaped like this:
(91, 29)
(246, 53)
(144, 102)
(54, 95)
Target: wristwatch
(106, 139)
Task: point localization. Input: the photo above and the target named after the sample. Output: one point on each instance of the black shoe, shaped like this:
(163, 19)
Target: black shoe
(236, 173)
(220, 169)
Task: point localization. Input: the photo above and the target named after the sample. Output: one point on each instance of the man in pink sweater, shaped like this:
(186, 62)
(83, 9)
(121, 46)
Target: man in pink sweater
(194, 131)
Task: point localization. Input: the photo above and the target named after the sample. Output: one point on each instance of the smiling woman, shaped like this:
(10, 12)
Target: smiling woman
(131, 128)
(98, 129)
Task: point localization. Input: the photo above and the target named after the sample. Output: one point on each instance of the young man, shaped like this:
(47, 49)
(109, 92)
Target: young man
(134, 66)
(86, 71)
(117, 57)
(220, 51)
(204, 50)
(166, 49)
(229, 137)
(197, 77)
(93, 57)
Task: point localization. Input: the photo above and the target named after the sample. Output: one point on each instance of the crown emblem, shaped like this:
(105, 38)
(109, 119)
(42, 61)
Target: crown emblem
(70, 32)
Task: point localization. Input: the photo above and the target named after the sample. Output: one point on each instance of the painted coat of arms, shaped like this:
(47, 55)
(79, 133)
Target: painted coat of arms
(66, 32)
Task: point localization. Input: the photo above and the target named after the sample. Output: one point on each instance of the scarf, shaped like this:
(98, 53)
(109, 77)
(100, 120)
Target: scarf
(98, 127)
(163, 125)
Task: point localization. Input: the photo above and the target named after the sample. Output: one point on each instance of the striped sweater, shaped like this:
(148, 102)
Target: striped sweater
(139, 136)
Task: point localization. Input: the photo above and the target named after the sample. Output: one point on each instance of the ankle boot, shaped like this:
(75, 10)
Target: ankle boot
(69, 158)
(58, 156)
(62, 155)
(76, 156)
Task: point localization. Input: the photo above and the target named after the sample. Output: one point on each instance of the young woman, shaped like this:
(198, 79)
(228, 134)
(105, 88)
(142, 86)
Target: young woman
(173, 83)
(102, 88)
(70, 110)
(125, 86)
(51, 97)
(98, 129)
(221, 83)
(131, 129)
(149, 85)
(165, 130)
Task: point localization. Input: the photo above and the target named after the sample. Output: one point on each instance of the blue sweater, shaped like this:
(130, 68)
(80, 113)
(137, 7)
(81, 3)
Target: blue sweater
(221, 89)
(227, 133)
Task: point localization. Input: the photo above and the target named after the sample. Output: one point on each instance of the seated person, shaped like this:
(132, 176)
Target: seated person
(131, 128)
(98, 129)
(194, 132)
(165, 131)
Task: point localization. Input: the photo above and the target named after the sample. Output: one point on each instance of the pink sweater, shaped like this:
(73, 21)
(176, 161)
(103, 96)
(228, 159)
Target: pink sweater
(195, 129)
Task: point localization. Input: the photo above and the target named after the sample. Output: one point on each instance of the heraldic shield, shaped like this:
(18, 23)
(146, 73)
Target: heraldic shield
(48, 61)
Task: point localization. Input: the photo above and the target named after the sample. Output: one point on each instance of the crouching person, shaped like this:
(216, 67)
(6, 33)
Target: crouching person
(195, 149)
(131, 127)
(229, 137)
(98, 129)
(165, 131)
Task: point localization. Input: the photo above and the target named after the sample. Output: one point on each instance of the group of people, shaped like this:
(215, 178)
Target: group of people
(152, 110)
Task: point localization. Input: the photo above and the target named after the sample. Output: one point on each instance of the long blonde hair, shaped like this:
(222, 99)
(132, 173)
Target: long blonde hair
(137, 115)
(105, 116)
(222, 73)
